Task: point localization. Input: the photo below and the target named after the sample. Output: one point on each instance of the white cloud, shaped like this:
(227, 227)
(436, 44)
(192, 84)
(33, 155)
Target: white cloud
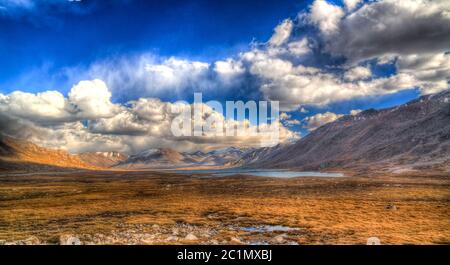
(391, 27)
(357, 73)
(88, 99)
(92, 99)
(271, 68)
(351, 4)
(123, 123)
(284, 77)
(175, 73)
(46, 106)
(284, 116)
(300, 47)
(281, 33)
(292, 122)
(354, 112)
(319, 119)
(150, 109)
(431, 71)
(326, 16)
(303, 110)
(147, 75)
(315, 121)
(88, 121)
(228, 67)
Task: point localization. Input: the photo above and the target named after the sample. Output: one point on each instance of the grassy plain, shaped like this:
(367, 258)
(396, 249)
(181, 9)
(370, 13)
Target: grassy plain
(400, 209)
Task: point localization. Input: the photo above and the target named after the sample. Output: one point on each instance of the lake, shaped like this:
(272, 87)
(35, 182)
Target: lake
(258, 173)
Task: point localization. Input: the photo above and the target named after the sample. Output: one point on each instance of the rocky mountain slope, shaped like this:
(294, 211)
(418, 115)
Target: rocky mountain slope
(412, 135)
(23, 155)
(103, 159)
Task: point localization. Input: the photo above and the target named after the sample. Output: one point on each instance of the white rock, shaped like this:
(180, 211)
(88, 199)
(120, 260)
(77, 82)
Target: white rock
(172, 238)
(190, 236)
(235, 241)
(69, 240)
(373, 241)
(32, 240)
(279, 239)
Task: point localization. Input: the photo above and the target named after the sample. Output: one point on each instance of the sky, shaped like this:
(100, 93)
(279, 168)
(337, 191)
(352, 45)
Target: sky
(103, 75)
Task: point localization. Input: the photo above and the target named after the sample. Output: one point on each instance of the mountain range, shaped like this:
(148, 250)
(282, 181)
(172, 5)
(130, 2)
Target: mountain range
(415, 135)
(412, 135)
(169, 158)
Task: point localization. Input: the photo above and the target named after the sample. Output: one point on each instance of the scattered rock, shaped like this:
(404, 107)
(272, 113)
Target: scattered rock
(147, 241)
(191, 236)
(279, 239)
(172, 238)
(155, 226)
(32, 240)
(69, 240)
(373, 241)
(235, 241)
(2, 242)
(391, 207)
(214, 242)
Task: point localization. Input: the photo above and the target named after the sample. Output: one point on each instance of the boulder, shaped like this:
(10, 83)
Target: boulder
(279, 239)
(235, 241)
(32, 240)
(190, 236)
(172, 238)
(391, 207)
(69, 240)
(373, 241)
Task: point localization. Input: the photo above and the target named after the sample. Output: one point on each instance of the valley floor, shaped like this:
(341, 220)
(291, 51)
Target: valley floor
(166, 208)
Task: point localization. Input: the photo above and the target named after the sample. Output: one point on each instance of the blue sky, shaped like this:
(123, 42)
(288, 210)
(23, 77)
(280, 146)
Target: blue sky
(202, 30)
(320, 59)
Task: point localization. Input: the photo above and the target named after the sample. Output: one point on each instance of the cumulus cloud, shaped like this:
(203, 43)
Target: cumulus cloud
(351, 4)
(228, 67)
(354, 112)
(91, 99)
(294, 65)
(281, 33)
(300, 47)
(88, 121)
(87, 100)
(295, 86)
(389, 31)
(432, 71)
(315, 121)
(326, 16)
(358, 73)
(46, 106)
(175, 73)
(387, 27)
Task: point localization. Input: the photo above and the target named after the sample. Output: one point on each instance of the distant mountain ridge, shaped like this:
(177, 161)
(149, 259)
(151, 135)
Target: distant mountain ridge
(169, 158)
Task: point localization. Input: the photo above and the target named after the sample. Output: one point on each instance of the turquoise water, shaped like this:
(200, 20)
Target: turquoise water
(258, 173)
(268, 228)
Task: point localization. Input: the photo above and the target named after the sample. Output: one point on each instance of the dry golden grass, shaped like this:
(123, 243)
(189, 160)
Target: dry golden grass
(329, 211)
